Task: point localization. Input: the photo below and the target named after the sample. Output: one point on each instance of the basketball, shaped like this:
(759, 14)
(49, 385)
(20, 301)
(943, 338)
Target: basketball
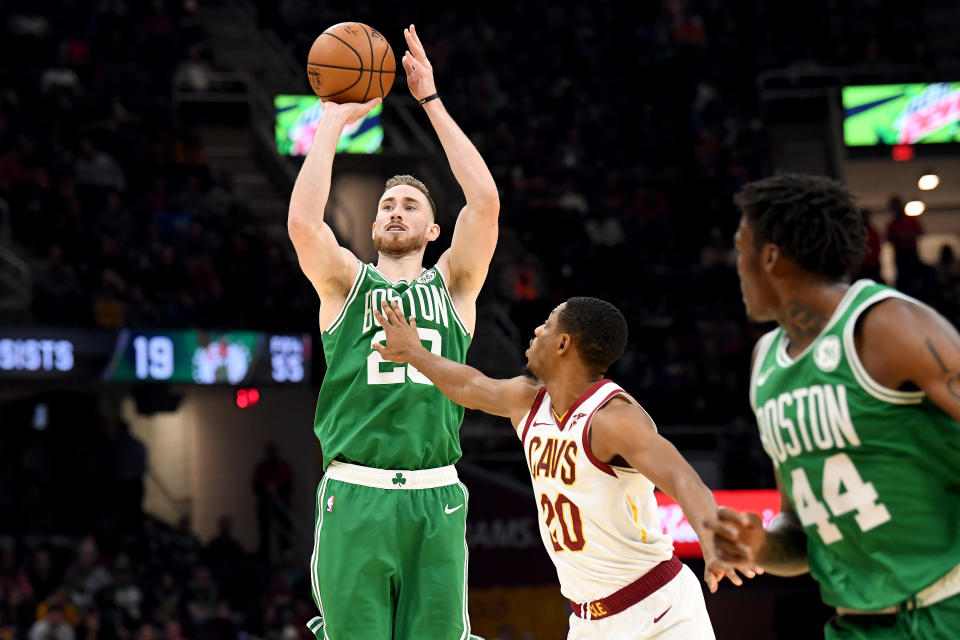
(351, 62)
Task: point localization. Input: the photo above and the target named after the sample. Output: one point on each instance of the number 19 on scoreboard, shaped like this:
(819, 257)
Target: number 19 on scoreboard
(153, 357)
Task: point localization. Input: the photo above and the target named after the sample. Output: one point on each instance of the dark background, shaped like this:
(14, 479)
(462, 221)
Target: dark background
(617, 136)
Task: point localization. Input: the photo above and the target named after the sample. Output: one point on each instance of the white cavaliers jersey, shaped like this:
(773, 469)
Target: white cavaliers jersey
(598, 522)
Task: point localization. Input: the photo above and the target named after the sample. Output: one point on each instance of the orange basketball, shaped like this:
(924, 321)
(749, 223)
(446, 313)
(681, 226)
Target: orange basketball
(351, 62)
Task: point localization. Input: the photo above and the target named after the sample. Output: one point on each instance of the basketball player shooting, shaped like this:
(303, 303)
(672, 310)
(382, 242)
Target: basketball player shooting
(857, 398)
(594, 456)
(389, 557)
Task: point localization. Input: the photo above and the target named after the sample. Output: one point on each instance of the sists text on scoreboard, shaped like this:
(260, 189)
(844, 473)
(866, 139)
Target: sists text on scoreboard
(182, 356)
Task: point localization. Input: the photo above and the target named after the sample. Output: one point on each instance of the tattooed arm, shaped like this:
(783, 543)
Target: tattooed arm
(905, 346)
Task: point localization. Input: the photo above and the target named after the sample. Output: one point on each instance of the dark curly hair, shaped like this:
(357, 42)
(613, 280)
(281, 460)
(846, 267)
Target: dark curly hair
(811, 218)
(598, 330)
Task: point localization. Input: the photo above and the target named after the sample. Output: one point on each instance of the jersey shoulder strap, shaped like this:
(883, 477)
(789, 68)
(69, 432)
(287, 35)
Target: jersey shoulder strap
(763, 349)
(351, 296)
(871, 297)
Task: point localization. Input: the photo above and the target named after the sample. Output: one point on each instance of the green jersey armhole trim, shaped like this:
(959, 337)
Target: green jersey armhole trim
(453, 307)
(784, 360)
(346, 303)
(871, 386)
(762, 350)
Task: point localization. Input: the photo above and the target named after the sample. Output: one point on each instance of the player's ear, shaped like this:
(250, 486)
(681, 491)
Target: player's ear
(433, 232)
(564, 345)
(771, 258)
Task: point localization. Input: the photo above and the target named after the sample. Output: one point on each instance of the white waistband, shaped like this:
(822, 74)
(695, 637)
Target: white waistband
(392, 478)
(946, 587)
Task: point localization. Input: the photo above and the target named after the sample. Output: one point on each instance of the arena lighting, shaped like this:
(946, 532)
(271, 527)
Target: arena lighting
(902, 152)
(928, 181)
(247, 397)
(914, 208)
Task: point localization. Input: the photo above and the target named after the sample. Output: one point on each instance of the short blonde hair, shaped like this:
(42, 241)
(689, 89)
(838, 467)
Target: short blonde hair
(416, 184)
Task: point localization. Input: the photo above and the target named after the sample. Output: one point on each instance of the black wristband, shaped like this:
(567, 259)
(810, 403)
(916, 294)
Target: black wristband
(429, 98)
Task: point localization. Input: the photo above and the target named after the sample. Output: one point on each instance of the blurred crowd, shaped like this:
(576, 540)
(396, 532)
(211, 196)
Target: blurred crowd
(79, 560)
(617, 138)
(109, 186)
(160, 585)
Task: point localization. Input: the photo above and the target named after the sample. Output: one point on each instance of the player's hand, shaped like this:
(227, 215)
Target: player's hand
(739, 537)
(348, 112)
(402, 337)
(418, 67)
(720, 534)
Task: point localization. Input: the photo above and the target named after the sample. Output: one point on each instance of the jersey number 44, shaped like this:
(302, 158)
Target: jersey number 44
(843, 491)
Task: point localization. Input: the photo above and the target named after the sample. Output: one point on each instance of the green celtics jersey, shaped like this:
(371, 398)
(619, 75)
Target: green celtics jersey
(381, 414)
(872, 473)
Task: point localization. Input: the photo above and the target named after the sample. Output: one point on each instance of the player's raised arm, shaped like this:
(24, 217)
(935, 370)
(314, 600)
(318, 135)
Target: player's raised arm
(463, 384)
(475, 234)
(330, 268)
(623, 429)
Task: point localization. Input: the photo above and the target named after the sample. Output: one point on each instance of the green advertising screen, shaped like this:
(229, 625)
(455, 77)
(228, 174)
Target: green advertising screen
(889, 114)
(297, 118)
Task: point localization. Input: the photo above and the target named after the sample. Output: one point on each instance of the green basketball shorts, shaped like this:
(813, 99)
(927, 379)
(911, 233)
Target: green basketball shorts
(939, 621)
(390, 555)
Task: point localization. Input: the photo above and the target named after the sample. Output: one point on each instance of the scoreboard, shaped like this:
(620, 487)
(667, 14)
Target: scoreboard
(188, 356)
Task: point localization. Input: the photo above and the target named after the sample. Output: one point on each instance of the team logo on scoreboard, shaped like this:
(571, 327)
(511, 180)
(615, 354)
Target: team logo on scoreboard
(221, 361)
(426, 276)
(827, 354)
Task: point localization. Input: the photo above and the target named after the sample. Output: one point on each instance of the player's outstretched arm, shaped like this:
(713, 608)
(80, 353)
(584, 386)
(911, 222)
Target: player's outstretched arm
(464, 385)
(329, 267)
(781, 549)
(740, 537)
(475, 234)
(623, 429)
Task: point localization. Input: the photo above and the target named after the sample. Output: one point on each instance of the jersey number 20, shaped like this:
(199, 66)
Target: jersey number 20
(843, 491)
(400, 372)
(563, 510)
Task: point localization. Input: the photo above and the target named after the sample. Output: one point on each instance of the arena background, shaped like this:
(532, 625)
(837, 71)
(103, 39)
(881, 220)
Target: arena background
(143, 256)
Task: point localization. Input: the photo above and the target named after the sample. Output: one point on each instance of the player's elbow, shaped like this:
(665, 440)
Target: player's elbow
(470, 393)
(295, 223)
(465, 395)
(488, 202)
(298, 227)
